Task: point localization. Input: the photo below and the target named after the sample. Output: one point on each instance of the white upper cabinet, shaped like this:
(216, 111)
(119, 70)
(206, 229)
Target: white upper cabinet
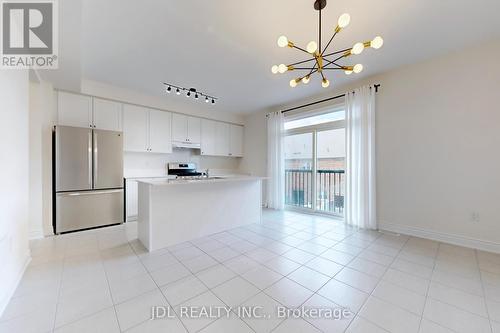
(186, 129)
(107, 115)
(150, 130)
(194, 129)
(135, 128)
(160, 133)
(146, 130)
(222, 139)
(236, 140)
(207, 137)
(179, 128)
(74, 110)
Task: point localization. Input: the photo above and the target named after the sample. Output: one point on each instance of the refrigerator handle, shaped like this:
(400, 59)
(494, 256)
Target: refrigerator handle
(89, 157)
(96, 153)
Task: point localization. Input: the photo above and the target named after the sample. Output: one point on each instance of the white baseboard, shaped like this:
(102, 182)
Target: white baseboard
(13, 285)
(36, 234)
(442, 237)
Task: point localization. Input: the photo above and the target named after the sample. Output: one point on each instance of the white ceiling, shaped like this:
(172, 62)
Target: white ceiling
(226, 47)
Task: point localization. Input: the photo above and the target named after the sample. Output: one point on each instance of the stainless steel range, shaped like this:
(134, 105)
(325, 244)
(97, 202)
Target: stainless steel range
(185, 171)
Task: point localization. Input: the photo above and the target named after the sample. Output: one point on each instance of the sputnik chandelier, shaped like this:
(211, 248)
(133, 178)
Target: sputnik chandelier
(324, 61)
(189, 92)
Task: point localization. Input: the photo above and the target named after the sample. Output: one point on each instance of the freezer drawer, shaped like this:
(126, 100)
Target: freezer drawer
(88, 209)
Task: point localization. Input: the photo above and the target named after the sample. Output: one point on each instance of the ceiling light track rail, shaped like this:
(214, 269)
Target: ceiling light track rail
(169, 88)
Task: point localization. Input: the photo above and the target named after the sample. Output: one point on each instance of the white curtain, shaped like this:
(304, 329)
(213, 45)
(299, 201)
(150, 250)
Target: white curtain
(275, 161)
(360, 200)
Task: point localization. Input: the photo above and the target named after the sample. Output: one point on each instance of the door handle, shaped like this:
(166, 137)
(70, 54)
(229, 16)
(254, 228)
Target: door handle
(87, 193)
(89, 157)
(96, 153)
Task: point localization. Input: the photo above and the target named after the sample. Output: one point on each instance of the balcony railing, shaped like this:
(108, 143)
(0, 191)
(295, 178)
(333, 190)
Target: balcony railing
(329, 189)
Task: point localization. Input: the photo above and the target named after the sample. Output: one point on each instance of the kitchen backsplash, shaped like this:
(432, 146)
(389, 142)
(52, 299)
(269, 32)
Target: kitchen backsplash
(149, 165)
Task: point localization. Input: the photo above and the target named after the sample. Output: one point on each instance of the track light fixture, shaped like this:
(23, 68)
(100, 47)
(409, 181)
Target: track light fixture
(319, 60)
(189, 92)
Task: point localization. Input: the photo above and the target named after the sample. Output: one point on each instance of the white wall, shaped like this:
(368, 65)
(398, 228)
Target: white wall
(14, 192)
(438, 138)
(254, 159)
(42, 118)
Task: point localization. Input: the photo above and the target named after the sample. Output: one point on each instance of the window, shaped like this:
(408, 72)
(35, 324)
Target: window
(315, 120)
(315, 163)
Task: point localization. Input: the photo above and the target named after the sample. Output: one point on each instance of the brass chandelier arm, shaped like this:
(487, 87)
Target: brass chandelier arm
(337, 52)
(336, 68)
(302, 62)
(329, 62)
(310, 73)
(328, 44)
(333, 63)
(313, 70)
(301, 49)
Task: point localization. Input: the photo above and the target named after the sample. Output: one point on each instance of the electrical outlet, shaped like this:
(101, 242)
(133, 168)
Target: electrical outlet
(475, 217)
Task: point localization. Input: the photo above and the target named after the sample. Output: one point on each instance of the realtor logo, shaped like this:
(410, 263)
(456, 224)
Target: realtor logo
(29, 34)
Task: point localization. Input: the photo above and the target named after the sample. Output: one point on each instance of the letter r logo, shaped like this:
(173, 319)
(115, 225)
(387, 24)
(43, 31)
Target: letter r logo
(27, 27)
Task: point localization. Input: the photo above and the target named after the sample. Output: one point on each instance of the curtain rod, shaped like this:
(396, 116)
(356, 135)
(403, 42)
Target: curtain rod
(322, 101)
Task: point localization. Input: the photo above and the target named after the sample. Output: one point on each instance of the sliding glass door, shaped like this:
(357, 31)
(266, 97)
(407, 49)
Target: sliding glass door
(330, 171)
(315, 166)
(299, 160)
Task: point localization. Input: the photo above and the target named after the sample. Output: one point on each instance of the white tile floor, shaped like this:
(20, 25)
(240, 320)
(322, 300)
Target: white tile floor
(104, 281)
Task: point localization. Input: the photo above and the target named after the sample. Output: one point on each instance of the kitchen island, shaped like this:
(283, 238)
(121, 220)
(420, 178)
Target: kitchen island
(175, 211)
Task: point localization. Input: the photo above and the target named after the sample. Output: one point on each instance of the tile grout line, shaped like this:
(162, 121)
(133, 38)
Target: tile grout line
(60, 288)
(429, 286)
(330, 279)
(483, 289)
(380, 280)
(109, 286)
(158, 288)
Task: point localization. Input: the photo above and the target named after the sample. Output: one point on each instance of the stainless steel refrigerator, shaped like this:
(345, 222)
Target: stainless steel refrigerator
(88, 173)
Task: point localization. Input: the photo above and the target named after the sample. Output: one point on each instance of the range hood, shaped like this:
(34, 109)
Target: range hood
(187, 145)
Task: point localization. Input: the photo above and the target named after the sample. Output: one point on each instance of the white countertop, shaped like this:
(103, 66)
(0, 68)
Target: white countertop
(216, 179)
(149, 177)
